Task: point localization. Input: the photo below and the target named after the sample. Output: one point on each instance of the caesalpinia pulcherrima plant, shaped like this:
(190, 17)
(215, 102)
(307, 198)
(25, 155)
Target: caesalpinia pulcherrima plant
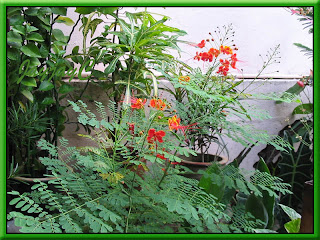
(129, 180)
(209, 97)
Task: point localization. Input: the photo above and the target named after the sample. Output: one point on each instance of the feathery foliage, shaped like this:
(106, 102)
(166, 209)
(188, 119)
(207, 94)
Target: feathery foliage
(113, 187)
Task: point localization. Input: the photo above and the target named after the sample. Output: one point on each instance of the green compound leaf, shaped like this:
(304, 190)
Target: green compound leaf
(85, 10)
(255, 206)
(47, 101)
(112, 66)
(267, 200)
(58, 34)
(292, 214)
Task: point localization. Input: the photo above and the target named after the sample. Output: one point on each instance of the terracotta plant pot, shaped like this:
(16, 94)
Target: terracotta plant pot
(195, 163)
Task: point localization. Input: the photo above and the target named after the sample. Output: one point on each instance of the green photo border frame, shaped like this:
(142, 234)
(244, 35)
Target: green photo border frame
(167, 3)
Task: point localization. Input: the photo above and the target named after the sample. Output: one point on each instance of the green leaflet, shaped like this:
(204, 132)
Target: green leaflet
(306, 108)
(112, 65)
(212, 182)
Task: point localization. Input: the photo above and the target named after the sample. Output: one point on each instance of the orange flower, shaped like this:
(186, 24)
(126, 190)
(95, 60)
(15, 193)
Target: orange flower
(137, 103)
(214, 52)
(225, 50)
(157, 104)
(174, 123)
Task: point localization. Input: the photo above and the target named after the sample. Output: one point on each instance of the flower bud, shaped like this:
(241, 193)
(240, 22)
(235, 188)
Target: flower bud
(300, 83)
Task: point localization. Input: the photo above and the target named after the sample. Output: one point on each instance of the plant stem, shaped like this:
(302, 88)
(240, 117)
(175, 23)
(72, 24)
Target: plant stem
(130, 202)
(130, 207)
(166, 169)
(73, 28)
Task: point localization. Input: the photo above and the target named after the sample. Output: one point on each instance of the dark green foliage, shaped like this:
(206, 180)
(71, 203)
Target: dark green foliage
(255, 206)
(295, 168)
(254, 189)
(143, 40)
(267, 200)
(25, 127)
(36, 64)
(104, 189)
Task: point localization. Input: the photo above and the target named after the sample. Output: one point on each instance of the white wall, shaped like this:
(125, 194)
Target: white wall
(257, 30)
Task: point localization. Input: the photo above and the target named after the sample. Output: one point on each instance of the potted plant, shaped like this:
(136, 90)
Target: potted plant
(208, 100)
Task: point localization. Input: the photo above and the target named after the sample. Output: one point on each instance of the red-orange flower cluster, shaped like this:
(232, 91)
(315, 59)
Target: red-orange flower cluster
(174, 124)
(224, 68)
(157, 104)
(204, 56)
(154, 136)
(138, 103)
(208, 56)
(214, 53)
